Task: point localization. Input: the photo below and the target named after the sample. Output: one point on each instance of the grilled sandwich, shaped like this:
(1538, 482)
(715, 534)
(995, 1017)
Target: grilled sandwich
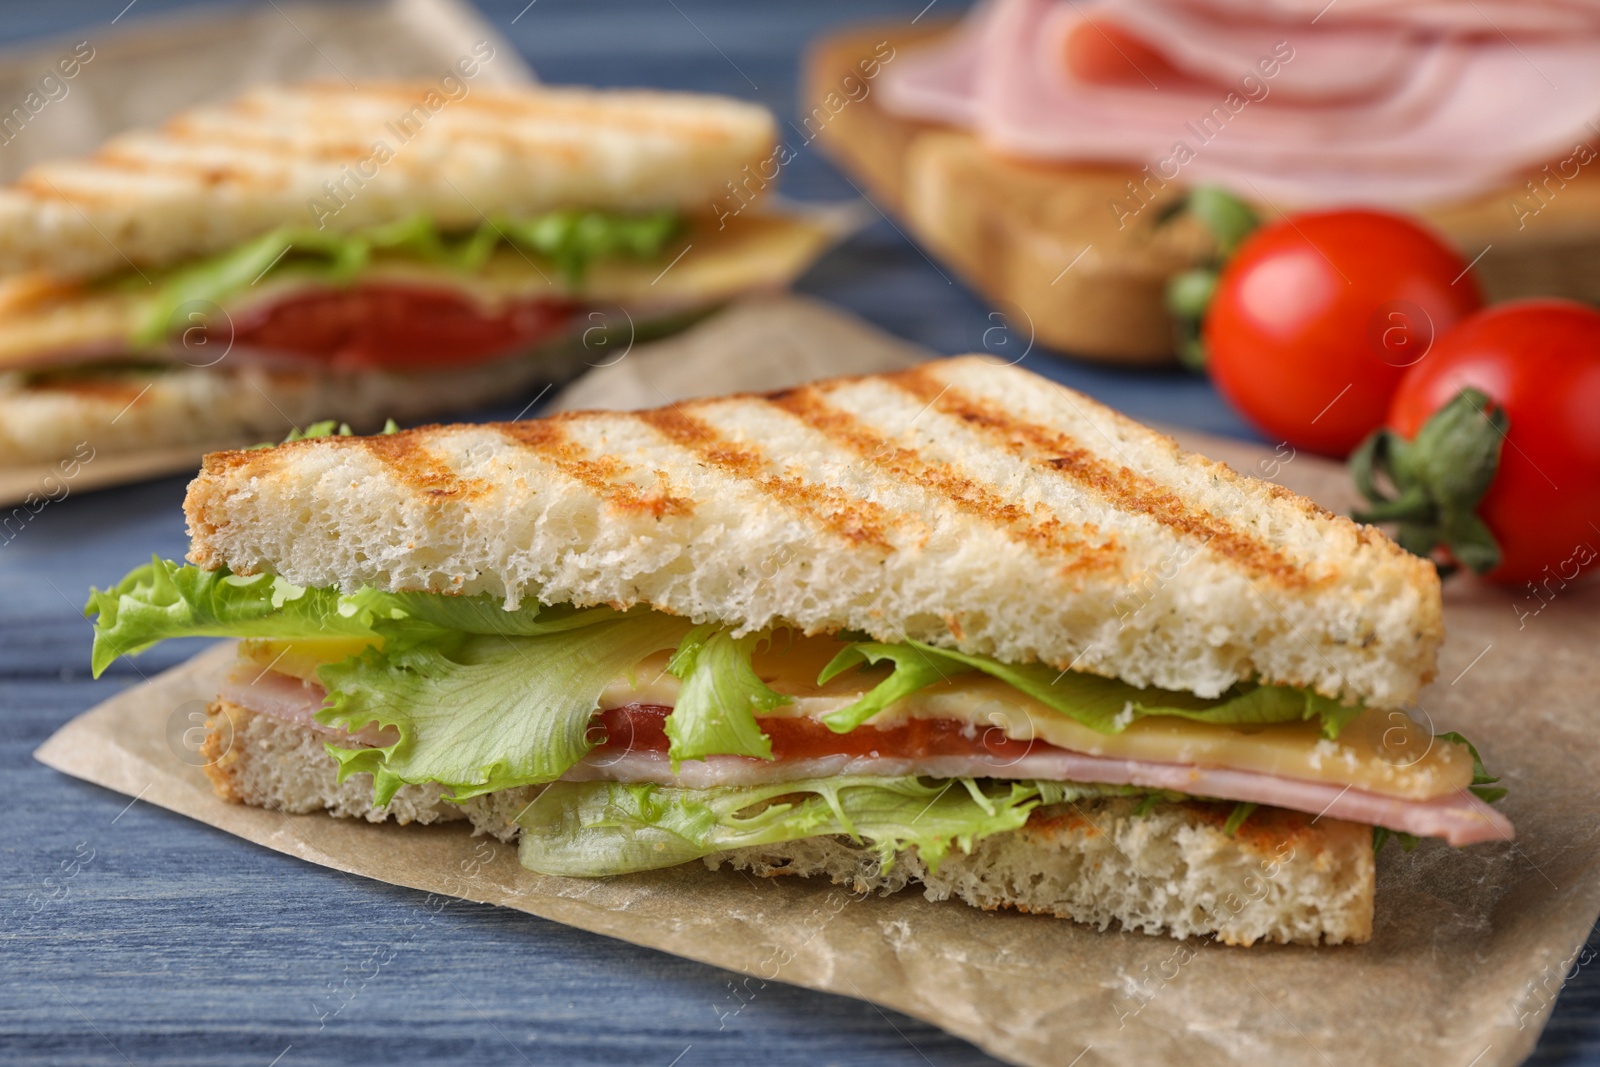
(363, 252)
(954, 627)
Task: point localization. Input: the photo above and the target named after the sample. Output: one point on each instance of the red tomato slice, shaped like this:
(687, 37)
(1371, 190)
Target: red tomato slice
(396, 327)
(642, 728)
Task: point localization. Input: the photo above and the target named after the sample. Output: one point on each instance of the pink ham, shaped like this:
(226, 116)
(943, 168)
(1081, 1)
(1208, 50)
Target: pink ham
(1460, 818)
(1388, 108)
(292, 700)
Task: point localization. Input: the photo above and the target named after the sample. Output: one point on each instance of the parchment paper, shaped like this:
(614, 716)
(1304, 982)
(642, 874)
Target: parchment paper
(1469, 948)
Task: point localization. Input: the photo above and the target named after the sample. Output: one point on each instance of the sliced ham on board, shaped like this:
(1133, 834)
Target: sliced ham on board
(1385, 108)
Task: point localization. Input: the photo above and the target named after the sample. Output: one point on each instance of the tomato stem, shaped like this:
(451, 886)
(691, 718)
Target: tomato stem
(1229, 221)
(1438, 481)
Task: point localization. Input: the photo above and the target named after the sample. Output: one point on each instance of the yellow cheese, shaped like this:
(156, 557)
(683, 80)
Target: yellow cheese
(301, 658)
(1381, 752)
(46, 322)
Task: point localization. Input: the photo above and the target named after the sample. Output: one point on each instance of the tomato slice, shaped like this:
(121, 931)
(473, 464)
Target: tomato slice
(395, 327)
(642, 728)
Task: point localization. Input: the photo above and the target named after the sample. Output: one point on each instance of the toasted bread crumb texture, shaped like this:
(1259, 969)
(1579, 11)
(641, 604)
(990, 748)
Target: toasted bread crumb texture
(1170, 871)
(267, 763)
(962, 503)
(1282, 877)
(220, 174)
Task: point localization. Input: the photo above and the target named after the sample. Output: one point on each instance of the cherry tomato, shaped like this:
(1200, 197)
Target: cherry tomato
(1317, 316)
(394, 327)
(1539, 361)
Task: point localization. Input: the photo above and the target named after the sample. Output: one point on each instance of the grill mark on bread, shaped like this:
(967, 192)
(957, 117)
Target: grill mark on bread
(494, 107)
(405, 455)
(119, 162)
(945, 482)
(1119, 486)
(858, 521)
(601, 475)
(418, 467)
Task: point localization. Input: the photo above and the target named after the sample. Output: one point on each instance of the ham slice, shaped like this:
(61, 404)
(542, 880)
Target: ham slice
(1459, 818)
(1394, 107)
(294, 701)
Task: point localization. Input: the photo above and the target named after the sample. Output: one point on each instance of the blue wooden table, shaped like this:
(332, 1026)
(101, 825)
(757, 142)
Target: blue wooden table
(132, 935)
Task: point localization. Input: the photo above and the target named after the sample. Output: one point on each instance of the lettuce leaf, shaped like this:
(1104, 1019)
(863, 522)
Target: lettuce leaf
(592, 829)
(163, 600)
(720, 698)
(1483, 783)
(479, 712)
(570, 239)
(914, 669)
(1102, 704)
(482, 698)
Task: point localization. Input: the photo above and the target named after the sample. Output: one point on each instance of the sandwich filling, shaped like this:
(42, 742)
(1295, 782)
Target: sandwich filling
(405, 296)
(658, 740)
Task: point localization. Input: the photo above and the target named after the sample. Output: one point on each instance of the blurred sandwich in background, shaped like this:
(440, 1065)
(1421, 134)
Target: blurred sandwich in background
(363, 252)
(1034, 145)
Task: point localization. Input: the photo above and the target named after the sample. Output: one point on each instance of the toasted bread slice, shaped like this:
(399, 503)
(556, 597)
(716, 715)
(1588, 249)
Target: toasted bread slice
(344, 157)
(963, 503)
(1282, 876)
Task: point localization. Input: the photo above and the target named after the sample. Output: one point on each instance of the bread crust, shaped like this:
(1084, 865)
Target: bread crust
(961, 503)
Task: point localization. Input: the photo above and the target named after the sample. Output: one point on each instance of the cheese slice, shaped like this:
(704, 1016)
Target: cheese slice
(1382, 752)
(44, 322)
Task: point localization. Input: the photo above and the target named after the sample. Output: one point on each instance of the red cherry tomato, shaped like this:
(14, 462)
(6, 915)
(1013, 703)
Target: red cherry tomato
(1539, 360)
(1317, 316)
(394, 327)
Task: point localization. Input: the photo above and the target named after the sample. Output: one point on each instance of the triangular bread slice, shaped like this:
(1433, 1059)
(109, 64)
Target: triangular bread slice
(963, 503)
(220, 174)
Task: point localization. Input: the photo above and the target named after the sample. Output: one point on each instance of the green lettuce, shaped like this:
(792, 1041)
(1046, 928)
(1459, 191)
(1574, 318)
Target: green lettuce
(326, 428)
(569, 239)
(914, 669)
(163, 600)
(719, 700)
(591, 829)
(1103, 704)
(480, 712)
(481, 698)
(1483, 783)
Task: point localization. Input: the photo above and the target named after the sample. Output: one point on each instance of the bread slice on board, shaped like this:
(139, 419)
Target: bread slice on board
(1043, 242)
(962, 502)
